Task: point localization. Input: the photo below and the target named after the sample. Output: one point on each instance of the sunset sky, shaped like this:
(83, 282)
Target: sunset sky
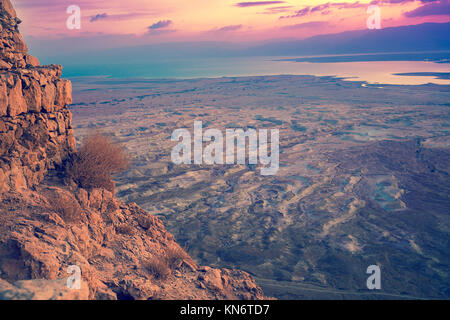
(218, 20)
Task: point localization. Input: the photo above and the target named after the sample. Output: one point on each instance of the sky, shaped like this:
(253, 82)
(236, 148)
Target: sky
(159, 21)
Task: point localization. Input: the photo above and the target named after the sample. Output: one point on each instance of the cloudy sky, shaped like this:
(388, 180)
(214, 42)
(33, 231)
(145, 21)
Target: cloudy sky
(218, 20)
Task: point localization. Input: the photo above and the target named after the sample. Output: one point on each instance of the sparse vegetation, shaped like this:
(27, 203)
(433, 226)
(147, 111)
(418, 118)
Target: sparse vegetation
(161, 267)
(66, 206)
(175, 256)
(158, 268)
(94, 163)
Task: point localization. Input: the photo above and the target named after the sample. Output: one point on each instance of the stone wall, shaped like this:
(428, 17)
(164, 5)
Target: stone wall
(35, 123)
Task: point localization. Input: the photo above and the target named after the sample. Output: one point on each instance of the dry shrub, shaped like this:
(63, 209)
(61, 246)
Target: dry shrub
(66, 206)
(161, 268)
(96, 160)
(175, 256)
(125, 229)
(158, 268)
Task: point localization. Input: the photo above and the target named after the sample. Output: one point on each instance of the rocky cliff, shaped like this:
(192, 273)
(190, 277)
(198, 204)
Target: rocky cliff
(35, 130)
(46, 226)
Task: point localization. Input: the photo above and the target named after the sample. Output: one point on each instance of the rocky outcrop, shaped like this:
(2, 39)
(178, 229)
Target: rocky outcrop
(40, 238)
(13, 50)
(35, 123)
(47, 226)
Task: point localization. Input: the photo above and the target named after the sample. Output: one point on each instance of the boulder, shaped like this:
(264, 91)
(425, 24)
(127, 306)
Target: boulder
(31, 61)
(48, 97)
(16, 102)
(33, 96)
(3, 99)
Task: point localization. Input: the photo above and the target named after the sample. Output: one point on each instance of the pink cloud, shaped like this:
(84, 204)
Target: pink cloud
(430, 9)
(257, 3)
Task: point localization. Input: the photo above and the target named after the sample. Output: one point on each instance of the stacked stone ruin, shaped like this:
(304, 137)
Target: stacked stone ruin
(35, 122)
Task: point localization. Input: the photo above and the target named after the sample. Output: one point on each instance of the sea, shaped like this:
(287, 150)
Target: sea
(372, 72)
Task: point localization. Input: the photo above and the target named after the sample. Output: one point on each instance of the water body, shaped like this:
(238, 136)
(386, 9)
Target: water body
(373, 72)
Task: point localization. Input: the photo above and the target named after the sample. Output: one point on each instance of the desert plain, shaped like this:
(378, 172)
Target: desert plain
(363, 178)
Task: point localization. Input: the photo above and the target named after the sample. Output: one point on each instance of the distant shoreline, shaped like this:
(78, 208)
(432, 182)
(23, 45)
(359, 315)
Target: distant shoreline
(354, 80)
(371, 72)
(430, 56)
(438, 75)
